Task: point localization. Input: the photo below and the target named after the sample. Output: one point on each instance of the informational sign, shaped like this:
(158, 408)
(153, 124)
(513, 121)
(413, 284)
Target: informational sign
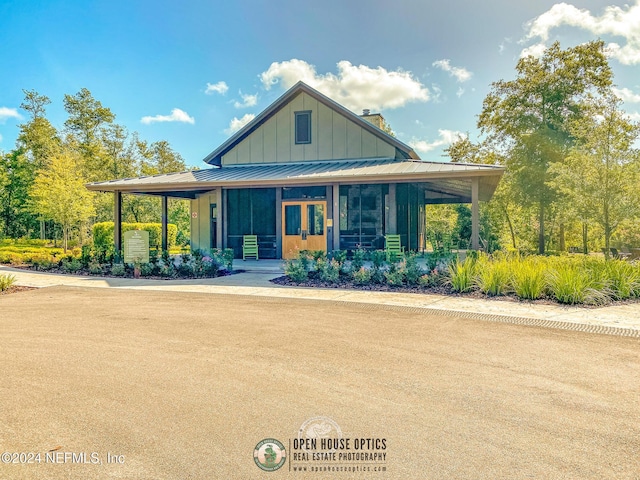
(136, 246)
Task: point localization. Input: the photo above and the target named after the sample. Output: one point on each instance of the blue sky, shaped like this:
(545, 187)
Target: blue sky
(192, 71)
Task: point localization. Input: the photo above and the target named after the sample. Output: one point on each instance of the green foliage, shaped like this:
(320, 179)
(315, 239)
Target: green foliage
(493, 275)
(529, 278)
(462, 275)
(623, 279)
(71, 266)
(118, 270)
(296, 270)
(227, 256)
(95, 268)
(58, 193)
(362, 276)
(103, 234)
(572, 285)
(412, 271)
(330, 271)
(43, 261)
(6, 281)
(395, 277)
(358, 259)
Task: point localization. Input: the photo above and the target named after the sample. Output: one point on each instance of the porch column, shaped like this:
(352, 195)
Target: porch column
(117, 221)
(393, 210)
(475, 216)
(164, 223)
(222, 241)
(336, 215)
(278, 222)
(220, 205)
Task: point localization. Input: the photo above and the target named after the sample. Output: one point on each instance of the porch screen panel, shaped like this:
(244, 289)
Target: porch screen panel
(362, 216)
(252, 212)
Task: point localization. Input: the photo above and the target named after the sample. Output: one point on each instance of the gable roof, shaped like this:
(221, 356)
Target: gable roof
(403, 151)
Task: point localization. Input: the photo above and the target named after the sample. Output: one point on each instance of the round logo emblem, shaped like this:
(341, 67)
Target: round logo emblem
(319, 428)
(269, 454)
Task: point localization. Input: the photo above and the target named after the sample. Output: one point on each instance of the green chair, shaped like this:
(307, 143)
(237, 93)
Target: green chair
(393, 247)
(249, 246)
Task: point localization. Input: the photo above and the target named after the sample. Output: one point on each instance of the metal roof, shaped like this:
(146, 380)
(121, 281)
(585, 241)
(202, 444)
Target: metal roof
(377, 170)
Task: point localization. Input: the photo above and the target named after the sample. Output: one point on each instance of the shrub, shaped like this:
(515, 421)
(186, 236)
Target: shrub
(395, 277)
(71, 266)
(358, 259)
(42, 261)
(103, 233)
(210, 266)
(424, 280)
(463, 275)
(571, 284)
(146, 269)
(296, 270)
(493, 275)
(118, 270)
(11, 258)
(6, 282)
(623, 279)
(412, 271)
(362, 276)
(330, 271)
(529, 278)
(227, 256)
(95, 268)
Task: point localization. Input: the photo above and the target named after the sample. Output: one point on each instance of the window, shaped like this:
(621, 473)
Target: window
(303, 127)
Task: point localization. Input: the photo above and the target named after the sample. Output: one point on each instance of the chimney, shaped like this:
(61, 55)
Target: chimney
(373, 118)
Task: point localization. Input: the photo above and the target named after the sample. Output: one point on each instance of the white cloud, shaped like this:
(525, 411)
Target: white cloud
(617, 21)
(460, 92)
(447, 137)
(355, 87)
(534, 50)
(461, 74)
(220, 87)
(0, 138)
(247, 101)
(626, 95)
(6, 113)
(177, 115)
(634, 117)
(237, 123)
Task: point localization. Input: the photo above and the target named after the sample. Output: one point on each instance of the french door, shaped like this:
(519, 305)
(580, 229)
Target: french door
(303, 227)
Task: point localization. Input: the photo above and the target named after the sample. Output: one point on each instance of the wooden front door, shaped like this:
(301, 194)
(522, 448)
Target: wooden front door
(304, 227)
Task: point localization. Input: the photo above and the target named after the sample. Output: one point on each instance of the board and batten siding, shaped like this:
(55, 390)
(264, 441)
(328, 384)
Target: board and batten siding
(201, 225)
(333, 137)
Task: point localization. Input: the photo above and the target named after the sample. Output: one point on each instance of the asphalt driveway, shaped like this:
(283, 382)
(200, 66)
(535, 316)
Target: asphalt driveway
(107, 383)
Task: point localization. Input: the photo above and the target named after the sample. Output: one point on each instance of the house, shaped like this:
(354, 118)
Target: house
(309, 174)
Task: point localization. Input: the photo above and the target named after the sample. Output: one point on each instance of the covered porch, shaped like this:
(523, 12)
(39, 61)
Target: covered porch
(340, 205)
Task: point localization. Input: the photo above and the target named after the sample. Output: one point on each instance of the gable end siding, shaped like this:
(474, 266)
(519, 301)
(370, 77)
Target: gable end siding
(333, 137)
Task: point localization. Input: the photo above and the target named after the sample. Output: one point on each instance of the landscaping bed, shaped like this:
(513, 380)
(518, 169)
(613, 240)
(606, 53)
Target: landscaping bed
(561, 279)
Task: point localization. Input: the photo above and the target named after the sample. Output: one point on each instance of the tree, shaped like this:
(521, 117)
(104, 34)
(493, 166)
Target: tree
(529, 118)
(600, 175)
(16, 177)
(86, 117)
(58, 193)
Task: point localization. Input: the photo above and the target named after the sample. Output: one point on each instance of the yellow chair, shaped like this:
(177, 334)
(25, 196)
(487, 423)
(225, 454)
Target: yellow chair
(249, 246)
(393, 247)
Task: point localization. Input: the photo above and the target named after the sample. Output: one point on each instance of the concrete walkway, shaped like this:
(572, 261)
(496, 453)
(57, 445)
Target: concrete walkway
(255, 280)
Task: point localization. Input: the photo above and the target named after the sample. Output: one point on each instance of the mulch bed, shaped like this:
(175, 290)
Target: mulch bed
(16, 289)
(85, 273)
(435, 290)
